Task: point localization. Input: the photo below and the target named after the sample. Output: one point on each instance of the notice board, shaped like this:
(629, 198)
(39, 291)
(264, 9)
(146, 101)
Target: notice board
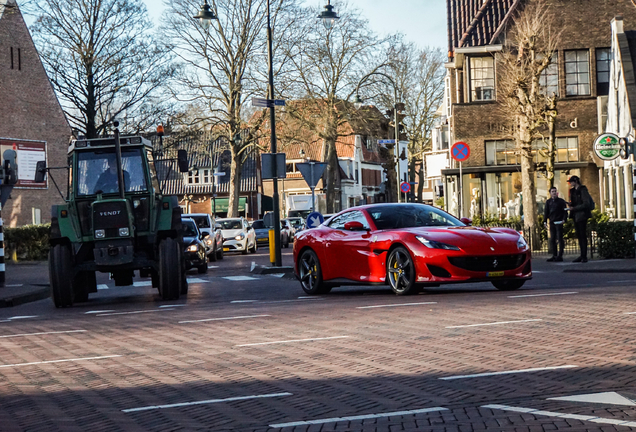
(29, 153)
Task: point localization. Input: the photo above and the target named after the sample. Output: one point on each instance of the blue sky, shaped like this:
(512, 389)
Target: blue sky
(421, 21)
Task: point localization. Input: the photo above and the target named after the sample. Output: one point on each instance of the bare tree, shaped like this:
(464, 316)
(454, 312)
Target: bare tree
(328, 65)
(220, 70)
(528, 53)
(102, 61)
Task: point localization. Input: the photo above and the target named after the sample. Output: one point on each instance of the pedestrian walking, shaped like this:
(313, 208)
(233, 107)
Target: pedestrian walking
(555, 212)
(580, 208)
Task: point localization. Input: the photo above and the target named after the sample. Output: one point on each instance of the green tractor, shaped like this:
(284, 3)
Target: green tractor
(115, 220)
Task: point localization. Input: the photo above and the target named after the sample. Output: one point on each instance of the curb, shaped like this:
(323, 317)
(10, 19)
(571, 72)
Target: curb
(288, 271)
(18, 299)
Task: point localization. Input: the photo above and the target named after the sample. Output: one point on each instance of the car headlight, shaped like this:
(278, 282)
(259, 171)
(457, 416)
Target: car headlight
(434, 244)
(100, 233)
(208, 241)
(521, 243)
(192, 248)
(124, 232)
(239, 237)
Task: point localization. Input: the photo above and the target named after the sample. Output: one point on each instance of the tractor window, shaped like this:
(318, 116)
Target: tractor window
(97, 171)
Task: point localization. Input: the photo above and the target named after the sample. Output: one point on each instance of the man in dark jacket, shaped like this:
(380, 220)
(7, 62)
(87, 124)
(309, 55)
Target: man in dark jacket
(556, 213)
(580, 212)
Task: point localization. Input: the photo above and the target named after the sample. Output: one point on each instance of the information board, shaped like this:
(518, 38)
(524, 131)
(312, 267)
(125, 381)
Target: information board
(29, 153)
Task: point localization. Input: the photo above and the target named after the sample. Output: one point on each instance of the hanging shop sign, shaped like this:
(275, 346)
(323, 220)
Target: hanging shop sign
(607, 146)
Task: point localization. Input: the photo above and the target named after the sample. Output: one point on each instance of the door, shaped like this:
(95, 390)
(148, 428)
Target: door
(348, 251)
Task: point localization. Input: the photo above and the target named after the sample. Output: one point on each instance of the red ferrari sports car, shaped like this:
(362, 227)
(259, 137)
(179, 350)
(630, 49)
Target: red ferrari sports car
(407, 246)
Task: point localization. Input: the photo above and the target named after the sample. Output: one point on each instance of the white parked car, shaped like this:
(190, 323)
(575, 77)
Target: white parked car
(238, 235)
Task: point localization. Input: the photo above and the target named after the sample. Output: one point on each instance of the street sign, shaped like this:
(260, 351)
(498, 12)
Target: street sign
(405, 187)
(266, 103)
(460, 151)
(279, 102)
(273, 166)
(311, 171)
(314, 220)
(386, 141)
(219, 174)
(607, 146)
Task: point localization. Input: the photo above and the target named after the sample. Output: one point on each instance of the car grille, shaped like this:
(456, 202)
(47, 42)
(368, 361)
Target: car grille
(488, 263)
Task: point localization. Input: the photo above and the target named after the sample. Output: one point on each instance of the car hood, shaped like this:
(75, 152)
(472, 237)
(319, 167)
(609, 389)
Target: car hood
(473, 239)
(262, 231)
(229, 233)
(189, 240)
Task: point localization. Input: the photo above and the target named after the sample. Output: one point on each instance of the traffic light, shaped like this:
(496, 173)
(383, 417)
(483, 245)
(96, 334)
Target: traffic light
(626, 149)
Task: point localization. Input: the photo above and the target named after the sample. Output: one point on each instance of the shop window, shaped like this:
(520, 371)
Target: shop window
(482, 78)
(549, 79)
(577, 73)
(603, 59)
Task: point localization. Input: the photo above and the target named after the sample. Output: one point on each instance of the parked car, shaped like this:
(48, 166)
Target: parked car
(262, 233)
(195, 250)
(408, 246)
(214, 242)
(297, 224)
(285, 234)
(238, 235)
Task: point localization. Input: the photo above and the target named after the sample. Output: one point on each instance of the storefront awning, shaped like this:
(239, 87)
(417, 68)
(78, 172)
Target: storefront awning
(508, 168)
(222, 204)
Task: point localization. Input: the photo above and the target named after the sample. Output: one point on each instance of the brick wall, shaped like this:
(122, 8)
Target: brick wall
(29, 110)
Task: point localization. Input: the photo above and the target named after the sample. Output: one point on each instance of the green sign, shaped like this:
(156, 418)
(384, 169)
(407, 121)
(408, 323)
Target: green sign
(607, 146)
(223, 204)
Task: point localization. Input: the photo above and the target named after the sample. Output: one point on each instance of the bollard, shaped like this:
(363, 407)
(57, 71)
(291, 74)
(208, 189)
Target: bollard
(1, 251)
(272, 247)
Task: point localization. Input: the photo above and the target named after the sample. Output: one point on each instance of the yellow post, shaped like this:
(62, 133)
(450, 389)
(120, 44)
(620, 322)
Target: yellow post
(272, 247)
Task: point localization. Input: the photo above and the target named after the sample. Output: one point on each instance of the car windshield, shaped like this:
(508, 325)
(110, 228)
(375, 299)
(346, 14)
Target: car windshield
(201, 221)
(189, 228)
(230, 224)
(411, 216)
(258, 224)
(97, 171)
(296, 222)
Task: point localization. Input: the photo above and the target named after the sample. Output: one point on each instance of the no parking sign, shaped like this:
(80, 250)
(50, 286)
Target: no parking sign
(460, 151)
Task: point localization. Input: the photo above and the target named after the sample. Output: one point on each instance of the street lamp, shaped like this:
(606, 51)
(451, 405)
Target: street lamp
(357, 101)
(205, 15)
(328, 16)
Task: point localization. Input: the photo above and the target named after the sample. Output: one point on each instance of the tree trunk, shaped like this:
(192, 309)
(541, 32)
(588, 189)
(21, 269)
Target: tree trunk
(412, 166)
(332, 176)
(91, 105)
(549, 168)
(528, 184)
(235, 183)
(420, 181)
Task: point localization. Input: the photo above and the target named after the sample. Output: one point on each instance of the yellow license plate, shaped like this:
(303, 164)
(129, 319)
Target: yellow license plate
(228, 249)
(494, 274)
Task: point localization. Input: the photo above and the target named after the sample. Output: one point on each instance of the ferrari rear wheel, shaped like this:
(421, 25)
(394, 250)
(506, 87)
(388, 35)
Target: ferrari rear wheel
(508, 285)
(311, 274)
(400, 271)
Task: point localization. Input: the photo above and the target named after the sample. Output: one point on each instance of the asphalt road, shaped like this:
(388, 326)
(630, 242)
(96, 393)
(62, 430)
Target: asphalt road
(248, 352)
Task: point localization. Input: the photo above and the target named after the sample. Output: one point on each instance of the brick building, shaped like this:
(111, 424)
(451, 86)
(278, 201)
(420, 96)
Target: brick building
(579, 74)
(31, 121)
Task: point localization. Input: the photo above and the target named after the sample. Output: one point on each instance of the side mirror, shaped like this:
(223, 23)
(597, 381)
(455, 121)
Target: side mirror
(217, 226)
(354, 226)
(466, 221)
(40, 171)
(182, 160)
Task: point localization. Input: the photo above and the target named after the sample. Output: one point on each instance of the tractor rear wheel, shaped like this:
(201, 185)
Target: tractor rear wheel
(169, 269)
(61, 275)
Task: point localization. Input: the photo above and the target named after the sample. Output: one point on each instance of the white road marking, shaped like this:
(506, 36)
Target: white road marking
(307, 297)
(210, 401)
(98, 312)
(542, 295)
(292, 300)
(611, 398)
(487, 374)
(212, 267)
(243, 301)
(102, 287)
(253, 266)
(278, 275)
(535, 412)
(396, 305)
(222, 319)
(293, 340)
(134, 312)
(358, 417)
(43, 333)
(239, 278)
(196, 280)
(142, 283)
(14, 285)
(22, 317)
(59, 361)
(494, 323)
(171, 306)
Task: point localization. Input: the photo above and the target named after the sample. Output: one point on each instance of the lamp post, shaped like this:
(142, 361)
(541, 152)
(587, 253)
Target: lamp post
(328, 16)
(358, 103)
(206, 16)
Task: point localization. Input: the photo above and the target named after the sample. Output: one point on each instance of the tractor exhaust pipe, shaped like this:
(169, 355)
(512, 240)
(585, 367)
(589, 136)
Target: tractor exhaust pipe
(120, 170)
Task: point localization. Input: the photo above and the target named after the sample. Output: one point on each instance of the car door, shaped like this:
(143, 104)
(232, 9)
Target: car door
(348, 251)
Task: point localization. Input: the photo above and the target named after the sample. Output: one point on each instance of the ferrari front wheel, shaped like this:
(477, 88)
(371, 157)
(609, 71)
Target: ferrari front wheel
(509, 285)
(311, 273)
(400, 271)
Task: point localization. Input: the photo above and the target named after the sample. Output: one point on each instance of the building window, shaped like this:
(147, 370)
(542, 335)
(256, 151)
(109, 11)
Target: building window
(291, 167)
(482, 78)
(603, 59)
(502, 152)
(567, 149)
(577, 73)
(193, 177)
(200, 176)
(447, 96)
(549, 79)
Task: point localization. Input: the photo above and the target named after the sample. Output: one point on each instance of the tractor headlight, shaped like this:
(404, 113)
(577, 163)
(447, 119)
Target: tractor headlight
(239, 237)
(192, 248)
(521, 243)
(124, 232)
(100, 233)
(434, 244)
